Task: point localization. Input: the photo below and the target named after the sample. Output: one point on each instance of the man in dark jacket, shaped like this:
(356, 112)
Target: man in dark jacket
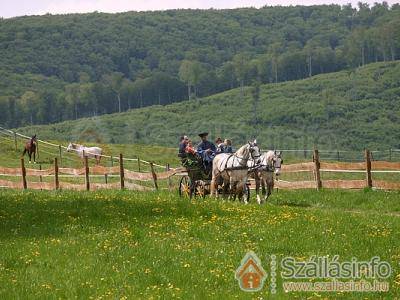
(205, 145)
(206, 150)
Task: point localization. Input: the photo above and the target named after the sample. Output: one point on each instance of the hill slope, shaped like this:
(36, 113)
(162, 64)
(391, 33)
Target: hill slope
(56, 68)
(346, 110)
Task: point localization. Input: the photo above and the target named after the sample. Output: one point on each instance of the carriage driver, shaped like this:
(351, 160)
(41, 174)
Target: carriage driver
(205, 145)
(206, 149)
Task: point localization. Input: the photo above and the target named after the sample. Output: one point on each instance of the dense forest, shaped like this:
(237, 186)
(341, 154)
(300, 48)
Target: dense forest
(342, 110)
(55, 68)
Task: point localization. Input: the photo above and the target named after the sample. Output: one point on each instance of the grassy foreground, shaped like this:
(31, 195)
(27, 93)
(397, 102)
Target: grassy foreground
(121, 244)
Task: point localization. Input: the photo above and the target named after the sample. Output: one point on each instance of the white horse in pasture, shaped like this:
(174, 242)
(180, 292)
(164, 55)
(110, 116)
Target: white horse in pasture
(232, 168)
(82, 151)
(263, 173)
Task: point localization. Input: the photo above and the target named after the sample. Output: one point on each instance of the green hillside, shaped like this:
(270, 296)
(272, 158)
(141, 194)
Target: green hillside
(345, 110)
(61, 67)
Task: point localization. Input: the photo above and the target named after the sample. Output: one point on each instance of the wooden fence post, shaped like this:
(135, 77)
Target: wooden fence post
(23, 173)
(138, 162)
(56, 181)
(60, 154)
(338, 155)
(317, 167)
(15, 141)
(390, 154)
(154, 176)
(368, 168)
(40, 177)
(112, 160)
(86, 172)
(121, 171)
(37, 149)
(167, 168)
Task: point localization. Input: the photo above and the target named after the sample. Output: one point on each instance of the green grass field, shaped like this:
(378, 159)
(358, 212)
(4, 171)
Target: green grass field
(121, 244)
(125, 244)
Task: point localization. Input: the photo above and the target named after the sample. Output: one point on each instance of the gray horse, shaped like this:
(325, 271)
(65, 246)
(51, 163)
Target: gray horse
(263, 173)
(232, 168)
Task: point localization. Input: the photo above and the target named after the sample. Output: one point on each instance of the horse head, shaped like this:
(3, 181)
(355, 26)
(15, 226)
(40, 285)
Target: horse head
(70, 147)
(273, 160)
(278, 161)
(254, 151)
(33, 139)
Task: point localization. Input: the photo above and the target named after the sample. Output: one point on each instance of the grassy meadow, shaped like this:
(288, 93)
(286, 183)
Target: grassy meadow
(125, 245)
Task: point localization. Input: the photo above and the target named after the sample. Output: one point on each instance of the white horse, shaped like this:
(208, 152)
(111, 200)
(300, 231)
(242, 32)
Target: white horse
(264, 173)
(82, 151)
(233, 169)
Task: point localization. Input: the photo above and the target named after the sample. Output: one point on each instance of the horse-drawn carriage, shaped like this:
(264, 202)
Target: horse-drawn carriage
(197, 183)
(231, 169)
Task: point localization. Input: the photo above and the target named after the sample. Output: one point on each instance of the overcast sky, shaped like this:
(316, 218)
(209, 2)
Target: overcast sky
(12, 8)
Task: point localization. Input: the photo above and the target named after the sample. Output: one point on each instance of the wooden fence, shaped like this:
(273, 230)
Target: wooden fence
(126, 177)
(60, 151)
(318, 167)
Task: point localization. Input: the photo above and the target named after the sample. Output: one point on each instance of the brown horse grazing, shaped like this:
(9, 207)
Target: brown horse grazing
(30, 147)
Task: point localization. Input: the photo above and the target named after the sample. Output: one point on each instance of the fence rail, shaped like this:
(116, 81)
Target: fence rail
(368, 167)
(12, 135)
(125, 177)
(371, 162)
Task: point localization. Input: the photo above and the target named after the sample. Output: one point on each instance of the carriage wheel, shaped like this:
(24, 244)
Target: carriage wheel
(200, 189)
(185, 187)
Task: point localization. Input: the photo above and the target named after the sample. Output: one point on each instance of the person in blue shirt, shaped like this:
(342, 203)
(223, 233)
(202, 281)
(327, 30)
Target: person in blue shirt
(205, 145)
(206, 150)
(228, 146)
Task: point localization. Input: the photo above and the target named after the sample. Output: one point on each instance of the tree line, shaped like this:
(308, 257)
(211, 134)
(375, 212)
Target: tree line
(55, 68)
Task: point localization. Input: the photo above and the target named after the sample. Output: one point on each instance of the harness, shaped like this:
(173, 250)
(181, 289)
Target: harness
(267, 167)
(241, 167)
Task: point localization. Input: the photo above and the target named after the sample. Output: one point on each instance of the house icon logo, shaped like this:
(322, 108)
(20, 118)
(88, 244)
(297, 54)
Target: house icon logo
(250, 274)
